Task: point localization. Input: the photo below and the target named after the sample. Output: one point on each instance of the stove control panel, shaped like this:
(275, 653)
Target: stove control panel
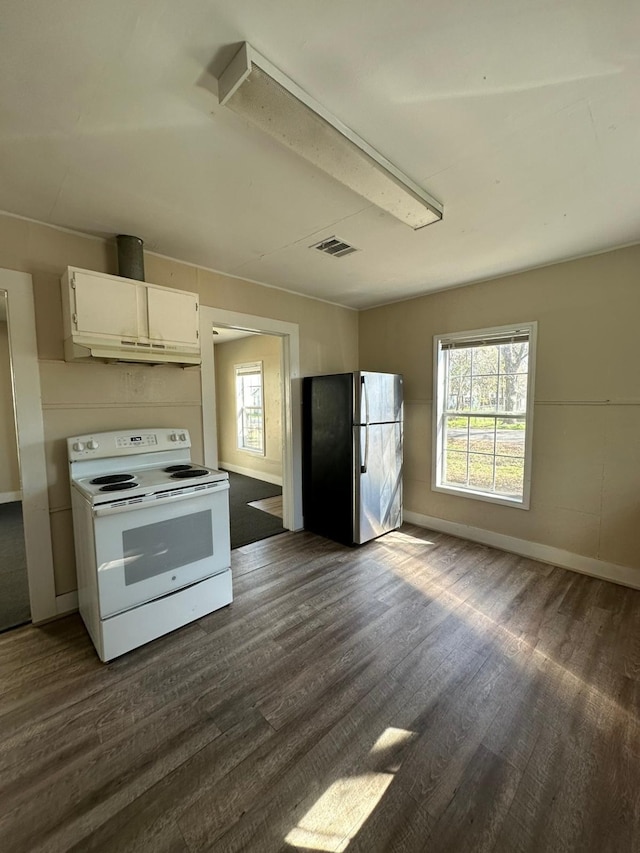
(102, 445)
(148, 439)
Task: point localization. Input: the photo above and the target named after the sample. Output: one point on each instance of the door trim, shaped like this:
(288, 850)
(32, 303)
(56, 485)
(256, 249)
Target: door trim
(30, 438)
(291, 399)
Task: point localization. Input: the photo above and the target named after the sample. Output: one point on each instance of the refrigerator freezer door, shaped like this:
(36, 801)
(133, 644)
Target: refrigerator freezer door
(378, 504)
(378, 397)
(327, 458)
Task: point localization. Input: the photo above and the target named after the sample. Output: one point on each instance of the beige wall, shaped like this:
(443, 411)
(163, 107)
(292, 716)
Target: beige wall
(268, 350)
(9, 473)
(79, 397)
(585, 494)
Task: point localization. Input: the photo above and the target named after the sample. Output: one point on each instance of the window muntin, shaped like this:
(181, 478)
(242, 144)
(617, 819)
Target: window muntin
(483, 413)
(250, 407)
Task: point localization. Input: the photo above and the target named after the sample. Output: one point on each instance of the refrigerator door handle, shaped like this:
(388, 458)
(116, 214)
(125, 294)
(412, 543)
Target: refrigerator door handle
(363, 468)
(365, 394)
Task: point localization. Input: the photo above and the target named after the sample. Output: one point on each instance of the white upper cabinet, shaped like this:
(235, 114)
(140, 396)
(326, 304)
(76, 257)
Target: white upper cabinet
(114, 318)
(104, 307)
(173, 316)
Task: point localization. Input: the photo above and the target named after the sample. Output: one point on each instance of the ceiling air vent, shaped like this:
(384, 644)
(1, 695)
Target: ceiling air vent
(334, 246)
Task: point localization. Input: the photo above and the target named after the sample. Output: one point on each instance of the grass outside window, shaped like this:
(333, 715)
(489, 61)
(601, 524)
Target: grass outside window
(483, 413)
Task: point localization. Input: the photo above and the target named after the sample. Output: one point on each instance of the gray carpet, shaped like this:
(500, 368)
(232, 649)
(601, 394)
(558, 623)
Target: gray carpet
(249, 524)
(14, 587)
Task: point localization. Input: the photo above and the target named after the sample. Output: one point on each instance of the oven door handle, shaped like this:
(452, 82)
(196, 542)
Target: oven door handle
(148, 503)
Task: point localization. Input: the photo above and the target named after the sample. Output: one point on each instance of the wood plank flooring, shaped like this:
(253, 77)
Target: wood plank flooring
(420, 693)
(271, 505)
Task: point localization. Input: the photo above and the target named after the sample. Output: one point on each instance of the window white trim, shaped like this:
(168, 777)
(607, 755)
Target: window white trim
(252, 368)
(438, 407)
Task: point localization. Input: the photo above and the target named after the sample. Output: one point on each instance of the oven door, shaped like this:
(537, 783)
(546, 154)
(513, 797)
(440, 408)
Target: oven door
(150, 549)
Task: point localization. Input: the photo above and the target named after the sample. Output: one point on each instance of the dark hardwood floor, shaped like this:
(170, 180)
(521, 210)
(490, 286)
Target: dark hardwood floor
(418, 693)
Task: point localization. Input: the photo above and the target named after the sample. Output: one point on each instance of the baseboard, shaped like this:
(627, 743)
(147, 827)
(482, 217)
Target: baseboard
(67, 603)
(249, 472)
(10, 497)
(534, 550)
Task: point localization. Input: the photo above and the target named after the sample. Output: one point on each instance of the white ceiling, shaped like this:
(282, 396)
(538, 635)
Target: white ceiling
(223, 335)
(520, 116)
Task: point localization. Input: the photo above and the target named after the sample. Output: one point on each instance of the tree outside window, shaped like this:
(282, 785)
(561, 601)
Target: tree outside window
(483, 413)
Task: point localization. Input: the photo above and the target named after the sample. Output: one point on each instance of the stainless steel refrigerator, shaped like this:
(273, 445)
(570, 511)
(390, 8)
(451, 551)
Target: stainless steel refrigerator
(352, 455)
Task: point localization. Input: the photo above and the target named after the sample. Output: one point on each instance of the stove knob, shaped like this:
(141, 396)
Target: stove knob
(78, 446)
(174, 437)
(183, 437)
(92, 445)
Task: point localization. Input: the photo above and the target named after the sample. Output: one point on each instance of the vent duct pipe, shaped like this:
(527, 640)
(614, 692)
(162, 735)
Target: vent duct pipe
(130, 257)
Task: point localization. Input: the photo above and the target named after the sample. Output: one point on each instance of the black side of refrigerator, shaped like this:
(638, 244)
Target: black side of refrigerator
(327, 456)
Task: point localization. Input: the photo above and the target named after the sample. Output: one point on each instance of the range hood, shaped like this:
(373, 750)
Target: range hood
(112, 318)
(127, 351)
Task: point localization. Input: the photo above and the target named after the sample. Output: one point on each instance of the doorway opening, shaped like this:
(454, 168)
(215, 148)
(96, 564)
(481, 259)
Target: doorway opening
(269, 472)
(248, 392)
(14, 585)
(17, 293)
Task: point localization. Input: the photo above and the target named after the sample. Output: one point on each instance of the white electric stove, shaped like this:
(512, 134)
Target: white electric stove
(151, 533)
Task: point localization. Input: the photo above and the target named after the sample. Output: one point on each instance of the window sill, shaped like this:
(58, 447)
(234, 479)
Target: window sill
(487, 497)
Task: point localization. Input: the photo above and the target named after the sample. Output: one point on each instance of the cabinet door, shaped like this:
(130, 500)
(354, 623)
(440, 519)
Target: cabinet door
(173, 316)
(105, 306)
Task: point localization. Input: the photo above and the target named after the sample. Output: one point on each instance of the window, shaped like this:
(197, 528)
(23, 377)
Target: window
(250, 407)
(483, 413)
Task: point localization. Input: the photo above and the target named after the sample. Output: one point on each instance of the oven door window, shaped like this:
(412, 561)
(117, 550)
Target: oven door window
(166, 546)
(156, 548)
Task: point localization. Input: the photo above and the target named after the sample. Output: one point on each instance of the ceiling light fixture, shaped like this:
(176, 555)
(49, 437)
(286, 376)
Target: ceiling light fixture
(253, 87)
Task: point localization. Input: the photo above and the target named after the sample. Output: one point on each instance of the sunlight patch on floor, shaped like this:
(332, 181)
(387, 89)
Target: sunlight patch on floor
(335, 819)
(397, 537)
(391, 739)
(444, 597)
(340, 812)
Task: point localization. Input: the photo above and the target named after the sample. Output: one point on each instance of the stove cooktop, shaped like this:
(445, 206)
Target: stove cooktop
(144, 481)
(118, 487)
(110, 479)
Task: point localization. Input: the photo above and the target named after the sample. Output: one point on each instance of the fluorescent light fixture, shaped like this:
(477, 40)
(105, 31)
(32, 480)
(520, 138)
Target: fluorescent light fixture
(254, 88)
